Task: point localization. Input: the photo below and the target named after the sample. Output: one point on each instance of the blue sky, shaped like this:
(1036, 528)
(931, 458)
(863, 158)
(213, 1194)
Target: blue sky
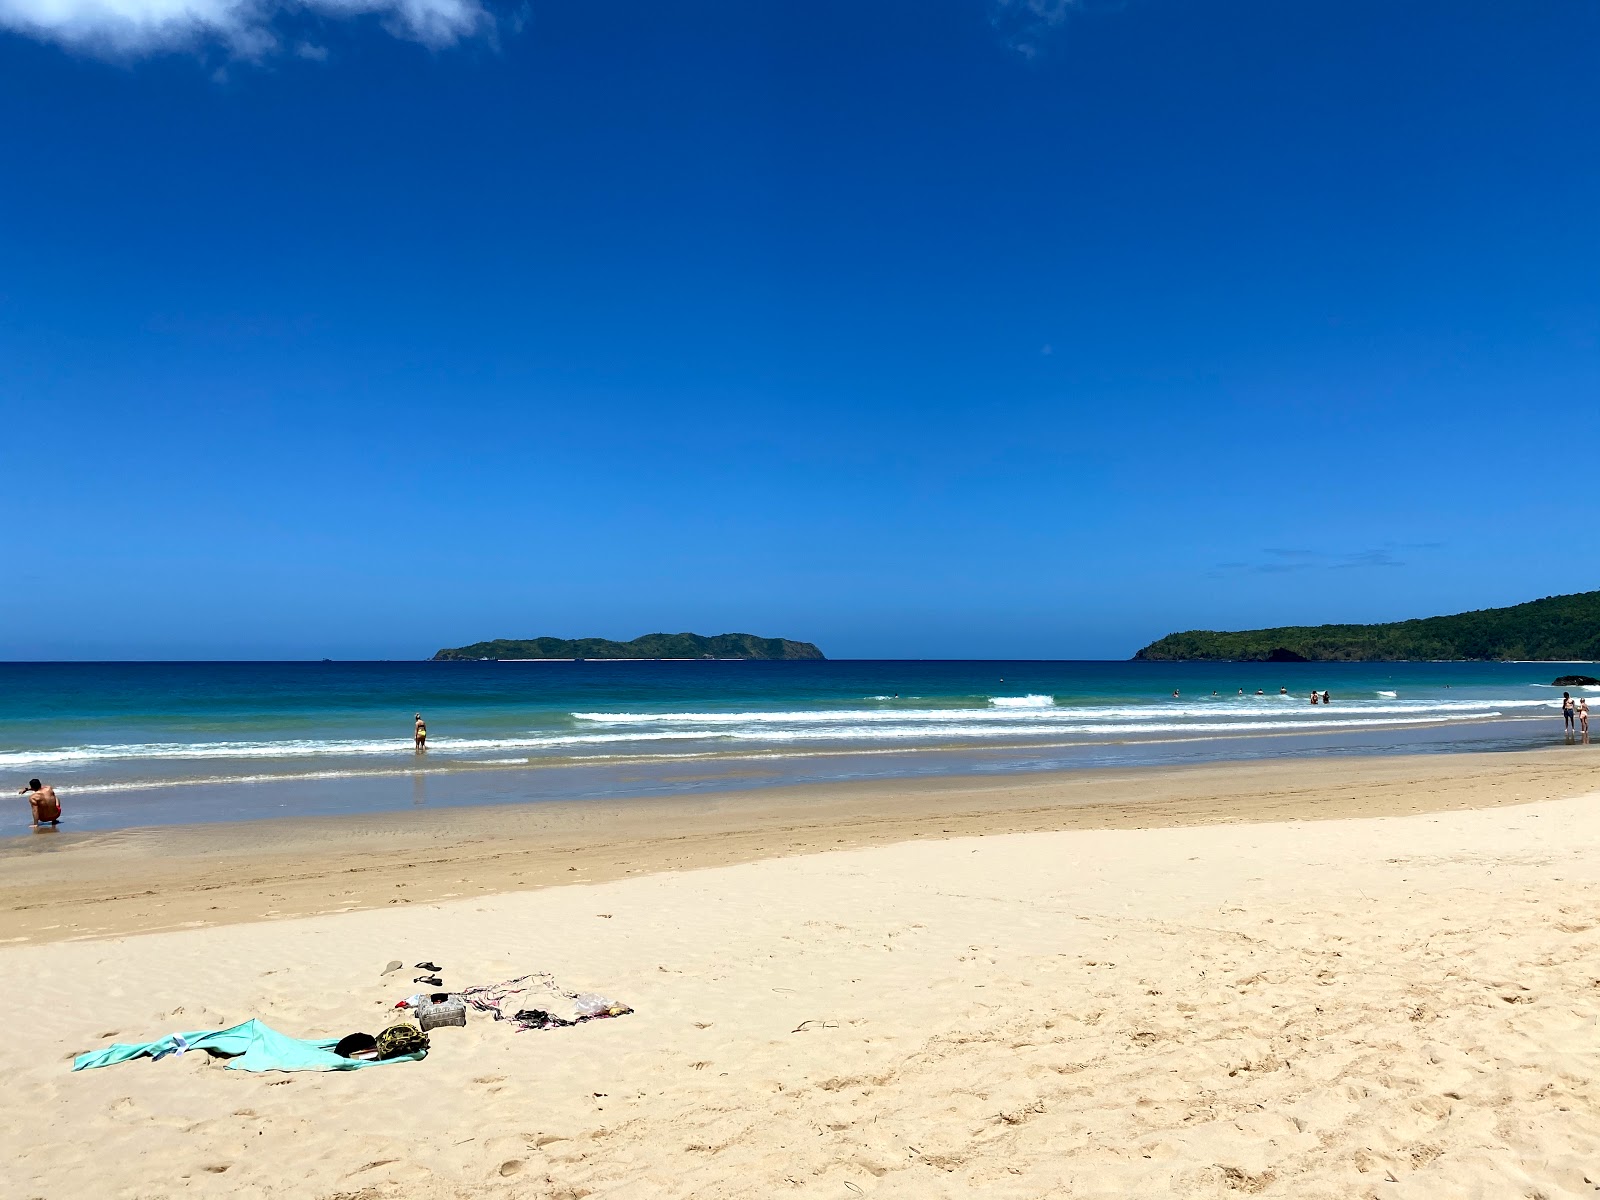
(945, 329)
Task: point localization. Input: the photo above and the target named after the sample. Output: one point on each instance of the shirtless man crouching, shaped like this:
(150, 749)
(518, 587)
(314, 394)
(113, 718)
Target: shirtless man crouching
(44, 803)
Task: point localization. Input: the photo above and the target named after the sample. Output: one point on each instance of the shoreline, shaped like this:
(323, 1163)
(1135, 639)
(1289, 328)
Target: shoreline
(66, 886)
(445, 782)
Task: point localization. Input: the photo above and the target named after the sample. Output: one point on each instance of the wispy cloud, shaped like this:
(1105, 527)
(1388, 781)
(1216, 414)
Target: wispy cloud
(244, 28)
(1022, 23)
(1279, 560)
(1025, 24)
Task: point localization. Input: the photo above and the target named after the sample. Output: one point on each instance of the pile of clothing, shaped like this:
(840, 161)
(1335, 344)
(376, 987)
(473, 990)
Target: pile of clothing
(537, 1001)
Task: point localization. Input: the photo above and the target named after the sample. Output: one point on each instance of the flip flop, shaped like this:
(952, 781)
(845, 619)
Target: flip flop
(430, 980)
(428, 966)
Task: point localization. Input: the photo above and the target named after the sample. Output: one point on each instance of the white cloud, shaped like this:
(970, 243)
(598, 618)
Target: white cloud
(1023, 23)
(244, 27)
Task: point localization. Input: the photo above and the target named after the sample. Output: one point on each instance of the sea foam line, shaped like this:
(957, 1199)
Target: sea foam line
(758, 732)
(1210, 710)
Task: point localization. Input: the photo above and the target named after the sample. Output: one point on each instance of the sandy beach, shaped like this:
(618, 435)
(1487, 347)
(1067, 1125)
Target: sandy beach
(1329, 978)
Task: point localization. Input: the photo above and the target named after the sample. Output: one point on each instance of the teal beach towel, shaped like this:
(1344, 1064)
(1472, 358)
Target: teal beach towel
(251, 1046)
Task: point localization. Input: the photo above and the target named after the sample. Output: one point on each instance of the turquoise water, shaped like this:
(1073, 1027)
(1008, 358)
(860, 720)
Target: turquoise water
(135, 743)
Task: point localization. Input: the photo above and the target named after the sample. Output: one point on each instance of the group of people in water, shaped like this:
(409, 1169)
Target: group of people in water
(1575, 717)
(1316, 697)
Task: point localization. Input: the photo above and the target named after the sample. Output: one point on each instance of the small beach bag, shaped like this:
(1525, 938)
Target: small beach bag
(431, 1015)
(400, 1039)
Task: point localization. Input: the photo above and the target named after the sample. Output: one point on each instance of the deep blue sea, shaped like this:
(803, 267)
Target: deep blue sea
(154, 743)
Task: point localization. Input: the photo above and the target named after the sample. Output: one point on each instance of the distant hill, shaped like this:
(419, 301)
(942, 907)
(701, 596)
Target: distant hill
(1564, 628)
(651, 645)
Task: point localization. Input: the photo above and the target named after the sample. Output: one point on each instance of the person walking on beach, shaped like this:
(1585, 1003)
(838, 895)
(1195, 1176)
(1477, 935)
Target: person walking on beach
(421, 733)
(43, 802)
(1568, 712)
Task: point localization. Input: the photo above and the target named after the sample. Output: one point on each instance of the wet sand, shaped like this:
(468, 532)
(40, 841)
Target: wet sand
(59, 885)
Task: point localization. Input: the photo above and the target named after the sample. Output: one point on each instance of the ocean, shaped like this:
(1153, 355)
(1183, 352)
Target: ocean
(158, 743)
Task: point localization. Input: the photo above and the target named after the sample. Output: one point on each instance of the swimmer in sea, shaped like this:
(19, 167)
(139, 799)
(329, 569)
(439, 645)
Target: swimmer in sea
(42, 800)
(421, 734)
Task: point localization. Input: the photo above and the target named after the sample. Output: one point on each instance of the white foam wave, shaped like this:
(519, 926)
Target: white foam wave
(1027, 717)
(152, 785)
(1211, 709)
(933, 732)
(985, 732)
(304, 749)
(1388, 695)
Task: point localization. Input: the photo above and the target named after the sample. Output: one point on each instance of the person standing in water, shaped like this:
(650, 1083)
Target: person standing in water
(421, 733)
(1569, 712)
(43, 802)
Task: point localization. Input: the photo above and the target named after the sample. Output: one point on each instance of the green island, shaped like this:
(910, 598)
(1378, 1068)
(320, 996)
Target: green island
(651, 645)
(1557, 628)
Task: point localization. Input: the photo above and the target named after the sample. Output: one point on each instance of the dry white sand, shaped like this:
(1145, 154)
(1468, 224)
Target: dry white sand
(1391, 1007)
